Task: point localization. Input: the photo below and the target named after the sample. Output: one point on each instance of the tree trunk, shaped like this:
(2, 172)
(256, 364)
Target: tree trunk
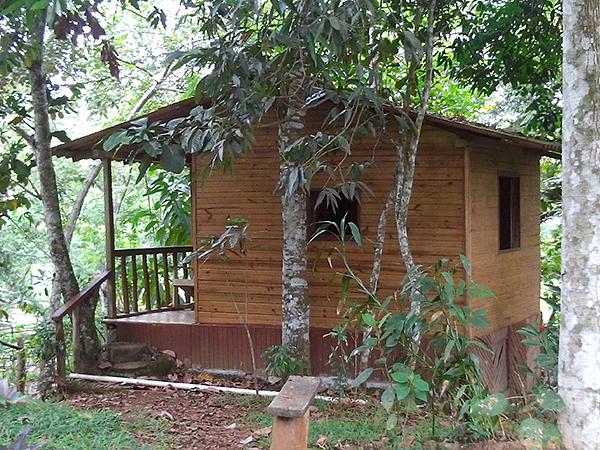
(57, 244)
(579, 353)
(295, 307)
(407, 151)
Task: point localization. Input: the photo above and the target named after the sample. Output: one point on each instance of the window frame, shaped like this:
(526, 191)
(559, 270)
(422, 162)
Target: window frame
(513, 209)
(312, 224)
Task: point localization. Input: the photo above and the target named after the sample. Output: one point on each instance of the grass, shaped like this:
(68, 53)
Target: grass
(337, 422)
(63, 427)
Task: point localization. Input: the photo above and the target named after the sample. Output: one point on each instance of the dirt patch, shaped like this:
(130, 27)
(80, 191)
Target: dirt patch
(198, 420)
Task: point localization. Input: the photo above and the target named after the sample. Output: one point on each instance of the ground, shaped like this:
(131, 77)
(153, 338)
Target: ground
(212, 420)
(119, 417)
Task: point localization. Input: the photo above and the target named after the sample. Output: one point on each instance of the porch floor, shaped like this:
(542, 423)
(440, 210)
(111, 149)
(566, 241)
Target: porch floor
(184, 316)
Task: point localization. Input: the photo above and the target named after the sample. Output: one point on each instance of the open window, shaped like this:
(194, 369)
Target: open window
(327, 212)
(509, 211)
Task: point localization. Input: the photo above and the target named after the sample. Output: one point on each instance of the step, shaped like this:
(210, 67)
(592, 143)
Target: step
(159, 367)
(131, 365)
(122, 352)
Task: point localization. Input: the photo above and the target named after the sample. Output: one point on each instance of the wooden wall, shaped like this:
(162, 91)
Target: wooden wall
(513, 275)
(436, 227)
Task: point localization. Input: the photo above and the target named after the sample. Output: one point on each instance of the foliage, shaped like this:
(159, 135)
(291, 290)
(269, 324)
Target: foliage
(65, 428)
(546, 339)
(516, 44)
(538, 429)
(170, 215)
(444, 374)
(280, 363)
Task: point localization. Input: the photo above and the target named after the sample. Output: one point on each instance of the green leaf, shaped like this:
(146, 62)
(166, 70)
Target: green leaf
(387, 399)
(421, 395)
(391, 422)
(531, 433)
(402, 391)
(400, 376)
(448, 349)
(355, 233)
(115, 140)
(172, 158)
(369, 320)
(490, 406)
(420, 384)
(466, 264)
(550, 400)
(361, 378)
(61, 135)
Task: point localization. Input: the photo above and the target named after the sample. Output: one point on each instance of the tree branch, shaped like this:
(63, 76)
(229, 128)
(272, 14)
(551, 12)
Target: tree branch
(25, 135)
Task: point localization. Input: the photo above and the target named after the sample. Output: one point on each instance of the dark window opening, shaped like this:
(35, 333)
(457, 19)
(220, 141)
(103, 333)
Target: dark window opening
(509, 210)
(327, 212)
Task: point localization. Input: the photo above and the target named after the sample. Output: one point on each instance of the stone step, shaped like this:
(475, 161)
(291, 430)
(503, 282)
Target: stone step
(122, 352)
(158, 367)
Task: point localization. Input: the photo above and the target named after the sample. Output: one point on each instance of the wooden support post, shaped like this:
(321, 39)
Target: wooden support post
(21, 366)
(290, 413)
(61, 364)
(76, 343)
(109, 231)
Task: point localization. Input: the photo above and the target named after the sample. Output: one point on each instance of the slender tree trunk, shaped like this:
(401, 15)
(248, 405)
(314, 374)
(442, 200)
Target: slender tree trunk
(295, 323)
(405, 172)
(73, 218)
(89, 182)
(579, 354)
(57, 244)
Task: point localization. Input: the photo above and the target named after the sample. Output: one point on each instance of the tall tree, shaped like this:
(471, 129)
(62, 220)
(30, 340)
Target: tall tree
(279, 58)
(284, 58)
(579, 354)
(26, 22)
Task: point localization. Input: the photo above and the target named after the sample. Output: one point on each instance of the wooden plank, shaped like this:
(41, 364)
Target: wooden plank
(124, 285)
(156, 284)
(134, 278)
(166, 281)
(109, 239)
(175, 273)
(152, 250)
(61, 364)
(83, 295)
(146, 283)
(295, 397)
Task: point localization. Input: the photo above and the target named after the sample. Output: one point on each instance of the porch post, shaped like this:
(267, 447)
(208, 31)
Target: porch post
(109, 230)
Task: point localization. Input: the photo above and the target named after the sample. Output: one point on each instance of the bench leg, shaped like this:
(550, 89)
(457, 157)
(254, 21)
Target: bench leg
(290, 434)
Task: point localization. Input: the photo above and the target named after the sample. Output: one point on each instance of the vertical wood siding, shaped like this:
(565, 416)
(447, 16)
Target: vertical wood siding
(436, 227)
(512, 275)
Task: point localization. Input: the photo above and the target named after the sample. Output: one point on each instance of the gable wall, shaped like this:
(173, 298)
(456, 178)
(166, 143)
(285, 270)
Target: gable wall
(436, 227)
(512, 275)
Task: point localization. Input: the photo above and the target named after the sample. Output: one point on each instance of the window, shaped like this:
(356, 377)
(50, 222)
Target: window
(509, 210)
(326, 212)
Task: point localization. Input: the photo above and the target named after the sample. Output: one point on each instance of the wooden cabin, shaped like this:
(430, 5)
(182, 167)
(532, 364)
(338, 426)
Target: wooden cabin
(476, 192)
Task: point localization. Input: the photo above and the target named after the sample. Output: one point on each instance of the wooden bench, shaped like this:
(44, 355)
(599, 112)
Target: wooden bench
(290, 413)
(186, 284)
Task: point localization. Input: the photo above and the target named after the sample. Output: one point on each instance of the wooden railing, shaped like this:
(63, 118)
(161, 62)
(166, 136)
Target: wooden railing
(144, 280)
(72, 307)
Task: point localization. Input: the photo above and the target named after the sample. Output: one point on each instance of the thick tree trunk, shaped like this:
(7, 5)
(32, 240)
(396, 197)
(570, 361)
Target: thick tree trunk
(57, 244)
(295, 306)
(579, 355)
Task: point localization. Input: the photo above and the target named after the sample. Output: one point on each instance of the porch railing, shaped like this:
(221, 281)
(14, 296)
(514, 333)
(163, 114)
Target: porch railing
(144, 280)
(72, 307)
